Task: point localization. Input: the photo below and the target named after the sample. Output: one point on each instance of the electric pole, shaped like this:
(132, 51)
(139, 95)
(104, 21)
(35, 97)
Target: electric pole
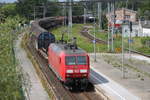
(113, 25)
(108, 8)
(94, 41)
(70, 19)
(44, 9)
(123, 69)
(100, 15)
(34, 12)
(85, 12)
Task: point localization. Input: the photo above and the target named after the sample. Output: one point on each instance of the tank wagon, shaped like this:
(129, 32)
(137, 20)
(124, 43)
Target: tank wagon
(67, 61)
(42, 37)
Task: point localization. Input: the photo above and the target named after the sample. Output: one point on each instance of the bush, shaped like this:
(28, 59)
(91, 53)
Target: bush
(145, 50)
(144, 40)
(10, 76)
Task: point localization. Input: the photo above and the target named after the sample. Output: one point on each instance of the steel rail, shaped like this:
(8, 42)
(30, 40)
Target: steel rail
(85, 33)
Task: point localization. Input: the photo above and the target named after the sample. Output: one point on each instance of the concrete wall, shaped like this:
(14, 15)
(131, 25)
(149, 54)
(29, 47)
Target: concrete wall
(136, 31)
(146, 32)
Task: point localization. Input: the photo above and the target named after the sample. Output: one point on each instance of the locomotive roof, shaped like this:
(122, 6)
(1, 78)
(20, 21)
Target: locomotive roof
(58, 47)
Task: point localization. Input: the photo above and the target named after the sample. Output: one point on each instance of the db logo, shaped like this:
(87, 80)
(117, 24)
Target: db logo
(76, 71)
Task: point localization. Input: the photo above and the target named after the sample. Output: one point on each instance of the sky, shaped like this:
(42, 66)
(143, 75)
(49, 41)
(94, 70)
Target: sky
(10, 1)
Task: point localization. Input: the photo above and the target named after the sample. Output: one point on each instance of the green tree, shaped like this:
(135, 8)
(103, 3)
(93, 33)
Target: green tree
(7, 10)
(27, 7)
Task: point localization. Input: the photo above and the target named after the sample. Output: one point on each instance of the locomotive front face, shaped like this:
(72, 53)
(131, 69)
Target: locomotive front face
(77, 71)
(77, 66)
(70, 66)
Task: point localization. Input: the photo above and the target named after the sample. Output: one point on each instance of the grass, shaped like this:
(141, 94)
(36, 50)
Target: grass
(10, 74)
(98, 34)
(82, 42)
(136, 45)
(118, 64)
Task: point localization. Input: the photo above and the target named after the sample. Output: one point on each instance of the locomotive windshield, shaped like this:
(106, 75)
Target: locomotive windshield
(73, 60)
(70, 60)
(81, 60)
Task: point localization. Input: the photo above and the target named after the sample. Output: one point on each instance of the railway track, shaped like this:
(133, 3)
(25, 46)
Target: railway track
(136, 52)
(61, 93)
(85, 33)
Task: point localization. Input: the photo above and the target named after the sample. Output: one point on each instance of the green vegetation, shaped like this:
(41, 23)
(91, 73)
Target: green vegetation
(145, 41)
(82, 42)
(27, 7)
(138, 43)
(116, 62)
(104, 36)
(10, 74)
(98, 34)
(142, 44)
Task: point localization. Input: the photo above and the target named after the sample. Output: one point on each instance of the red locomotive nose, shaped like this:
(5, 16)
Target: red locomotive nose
(77, 66)
(69, 65)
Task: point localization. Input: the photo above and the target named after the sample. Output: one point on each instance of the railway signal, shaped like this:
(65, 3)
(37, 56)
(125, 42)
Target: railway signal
(129, 41)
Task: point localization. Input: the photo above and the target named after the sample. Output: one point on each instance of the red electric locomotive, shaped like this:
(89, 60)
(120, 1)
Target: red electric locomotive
(70, 64)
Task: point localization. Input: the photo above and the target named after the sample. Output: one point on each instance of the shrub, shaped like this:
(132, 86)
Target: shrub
(10, 76)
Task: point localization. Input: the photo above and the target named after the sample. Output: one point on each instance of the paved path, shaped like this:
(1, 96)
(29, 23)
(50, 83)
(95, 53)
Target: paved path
(111, 88)
(109, 79)
(36, 91)
(140, 57)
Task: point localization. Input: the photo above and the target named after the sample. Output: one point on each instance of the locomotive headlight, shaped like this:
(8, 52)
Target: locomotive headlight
(83, 71)
(69, 71)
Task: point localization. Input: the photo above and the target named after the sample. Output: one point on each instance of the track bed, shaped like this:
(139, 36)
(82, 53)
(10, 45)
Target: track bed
(58, 88)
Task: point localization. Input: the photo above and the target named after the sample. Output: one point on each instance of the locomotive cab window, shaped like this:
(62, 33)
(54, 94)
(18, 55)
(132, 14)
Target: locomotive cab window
(70, 60)
(81, 60)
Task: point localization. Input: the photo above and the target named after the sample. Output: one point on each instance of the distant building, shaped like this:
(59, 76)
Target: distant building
(135, 30)
(139, 29)
(122, 15)
(145, 27)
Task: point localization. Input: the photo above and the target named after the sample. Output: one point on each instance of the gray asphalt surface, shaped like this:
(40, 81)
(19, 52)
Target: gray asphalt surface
(110, 79)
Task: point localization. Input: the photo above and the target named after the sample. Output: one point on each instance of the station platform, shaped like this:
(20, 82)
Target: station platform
(109, 79)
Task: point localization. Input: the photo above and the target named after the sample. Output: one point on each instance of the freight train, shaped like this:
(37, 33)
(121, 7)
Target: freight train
(69, 62)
